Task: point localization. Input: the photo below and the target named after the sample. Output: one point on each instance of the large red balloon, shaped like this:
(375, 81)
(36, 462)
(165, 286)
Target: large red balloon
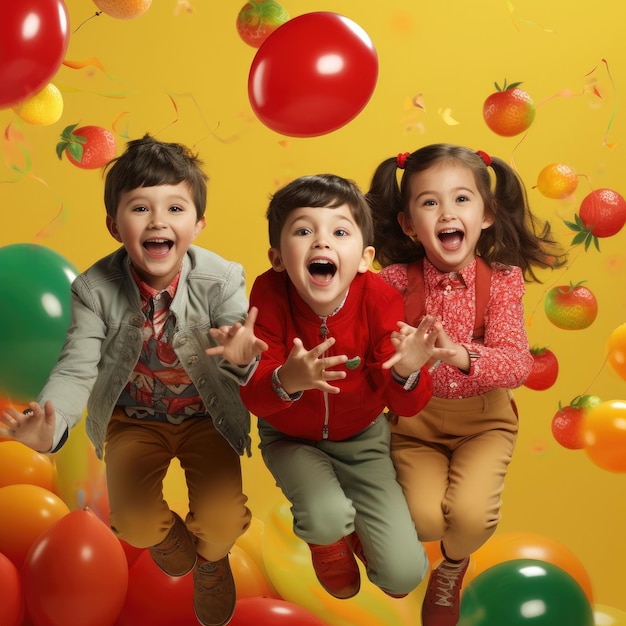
(11, 597)
(156, 599)
(75, 573)
(34, 35)
(271, 612)
(312, 75)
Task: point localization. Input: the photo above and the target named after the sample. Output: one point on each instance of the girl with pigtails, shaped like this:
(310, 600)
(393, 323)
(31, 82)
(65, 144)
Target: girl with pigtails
(457, 239)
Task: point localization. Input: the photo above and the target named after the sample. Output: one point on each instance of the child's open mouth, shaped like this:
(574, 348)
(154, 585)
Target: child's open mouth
(451, 239)
(158, 247)
(322, 271)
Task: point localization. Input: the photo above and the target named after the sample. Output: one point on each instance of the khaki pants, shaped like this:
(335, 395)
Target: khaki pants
(451, 460)
(137, 456)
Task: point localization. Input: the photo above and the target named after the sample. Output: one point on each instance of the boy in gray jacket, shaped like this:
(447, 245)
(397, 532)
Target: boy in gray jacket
(158, 344)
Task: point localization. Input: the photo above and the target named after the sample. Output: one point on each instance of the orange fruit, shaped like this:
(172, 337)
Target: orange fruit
(557, 181)
(123, 9)
(43, 108)
(616, 350)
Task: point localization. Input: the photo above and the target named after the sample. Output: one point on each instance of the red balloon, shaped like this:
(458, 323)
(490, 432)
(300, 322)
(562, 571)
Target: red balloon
(34, 35)
(312, 75)
(271, 612)
(75, 573)
(156, 599)
(11, 597)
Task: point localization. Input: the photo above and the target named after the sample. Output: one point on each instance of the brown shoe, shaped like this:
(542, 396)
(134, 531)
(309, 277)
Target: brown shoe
(214, 593)
(443, 596)
(336, 569)
(176, 554)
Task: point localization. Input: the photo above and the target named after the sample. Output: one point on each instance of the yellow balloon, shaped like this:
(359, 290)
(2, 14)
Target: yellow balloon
(604, 615)
(80, 476)
(288, 563)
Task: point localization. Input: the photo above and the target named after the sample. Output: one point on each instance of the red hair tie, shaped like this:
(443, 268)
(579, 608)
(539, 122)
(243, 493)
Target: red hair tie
(484, 156)
(401, 159)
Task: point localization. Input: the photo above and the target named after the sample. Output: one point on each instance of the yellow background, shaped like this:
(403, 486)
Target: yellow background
(182, 76)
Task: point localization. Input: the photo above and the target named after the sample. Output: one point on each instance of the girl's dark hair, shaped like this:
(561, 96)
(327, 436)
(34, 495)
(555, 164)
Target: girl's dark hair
(516, 237)
(320, 190)
(147, 162)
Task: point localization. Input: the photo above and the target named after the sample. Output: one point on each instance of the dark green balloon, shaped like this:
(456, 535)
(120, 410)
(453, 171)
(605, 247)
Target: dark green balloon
(525, 592)
(34, 316)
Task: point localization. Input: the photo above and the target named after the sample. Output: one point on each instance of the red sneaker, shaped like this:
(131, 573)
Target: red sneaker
(336, 569)
(357, 547)
(443, 596)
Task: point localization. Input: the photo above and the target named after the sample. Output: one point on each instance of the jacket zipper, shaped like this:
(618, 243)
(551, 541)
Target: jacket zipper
(323, 335)
(324, 332)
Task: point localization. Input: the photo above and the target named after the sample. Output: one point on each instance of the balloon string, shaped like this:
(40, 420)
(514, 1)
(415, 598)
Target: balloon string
(613, 112)
(604, 362)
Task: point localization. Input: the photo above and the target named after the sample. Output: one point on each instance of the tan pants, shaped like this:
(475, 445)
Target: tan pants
(451, 460)
(137, 456)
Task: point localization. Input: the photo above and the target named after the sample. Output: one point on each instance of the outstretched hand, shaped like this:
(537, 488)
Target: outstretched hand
(416, 346)
(34, 427)
(238, 343)
(310, 369)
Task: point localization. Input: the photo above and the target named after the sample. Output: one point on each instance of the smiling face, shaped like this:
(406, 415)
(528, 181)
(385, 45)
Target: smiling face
(322, 250)
(156, 225)
(447, 214)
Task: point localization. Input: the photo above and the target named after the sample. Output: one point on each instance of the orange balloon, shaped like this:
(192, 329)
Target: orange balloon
(249, 579)
(433, 552)
(20, 464)
(251, 542)
(604, 435)
(616, 350)
(26, 511)
(519, 545)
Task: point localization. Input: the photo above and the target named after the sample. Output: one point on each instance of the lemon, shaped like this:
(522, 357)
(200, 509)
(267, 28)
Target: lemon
(43, 108)
(123, 9)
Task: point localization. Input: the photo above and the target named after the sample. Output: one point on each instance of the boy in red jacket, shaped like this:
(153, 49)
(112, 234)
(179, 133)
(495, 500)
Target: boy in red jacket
(338, 356)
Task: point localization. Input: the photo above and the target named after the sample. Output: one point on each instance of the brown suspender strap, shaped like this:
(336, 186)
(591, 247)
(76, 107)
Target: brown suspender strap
(414, 297)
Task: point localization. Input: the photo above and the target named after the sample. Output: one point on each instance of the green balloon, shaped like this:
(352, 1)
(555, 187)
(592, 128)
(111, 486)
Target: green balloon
(34, 316)
(525, 592)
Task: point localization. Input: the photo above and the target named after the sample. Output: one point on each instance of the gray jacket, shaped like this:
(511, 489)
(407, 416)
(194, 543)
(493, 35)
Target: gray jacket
(104, 341)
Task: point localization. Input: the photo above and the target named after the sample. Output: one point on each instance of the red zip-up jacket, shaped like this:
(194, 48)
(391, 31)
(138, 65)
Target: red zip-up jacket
(362, 327)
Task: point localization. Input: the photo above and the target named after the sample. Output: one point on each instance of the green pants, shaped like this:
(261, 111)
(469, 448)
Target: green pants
(337, 487)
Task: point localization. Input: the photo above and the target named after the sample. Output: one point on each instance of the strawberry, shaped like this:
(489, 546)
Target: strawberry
(568, 420)
(545, 369)
(509, 111)
(87, 147)
(258, 19)
(571, 307)
(602, 213)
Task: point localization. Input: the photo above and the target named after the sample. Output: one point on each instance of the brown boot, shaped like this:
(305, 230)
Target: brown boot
(336, 569)
(214, 593)
(176, 554)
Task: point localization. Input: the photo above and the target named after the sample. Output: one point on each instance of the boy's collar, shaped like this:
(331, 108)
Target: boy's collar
(148, 292)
